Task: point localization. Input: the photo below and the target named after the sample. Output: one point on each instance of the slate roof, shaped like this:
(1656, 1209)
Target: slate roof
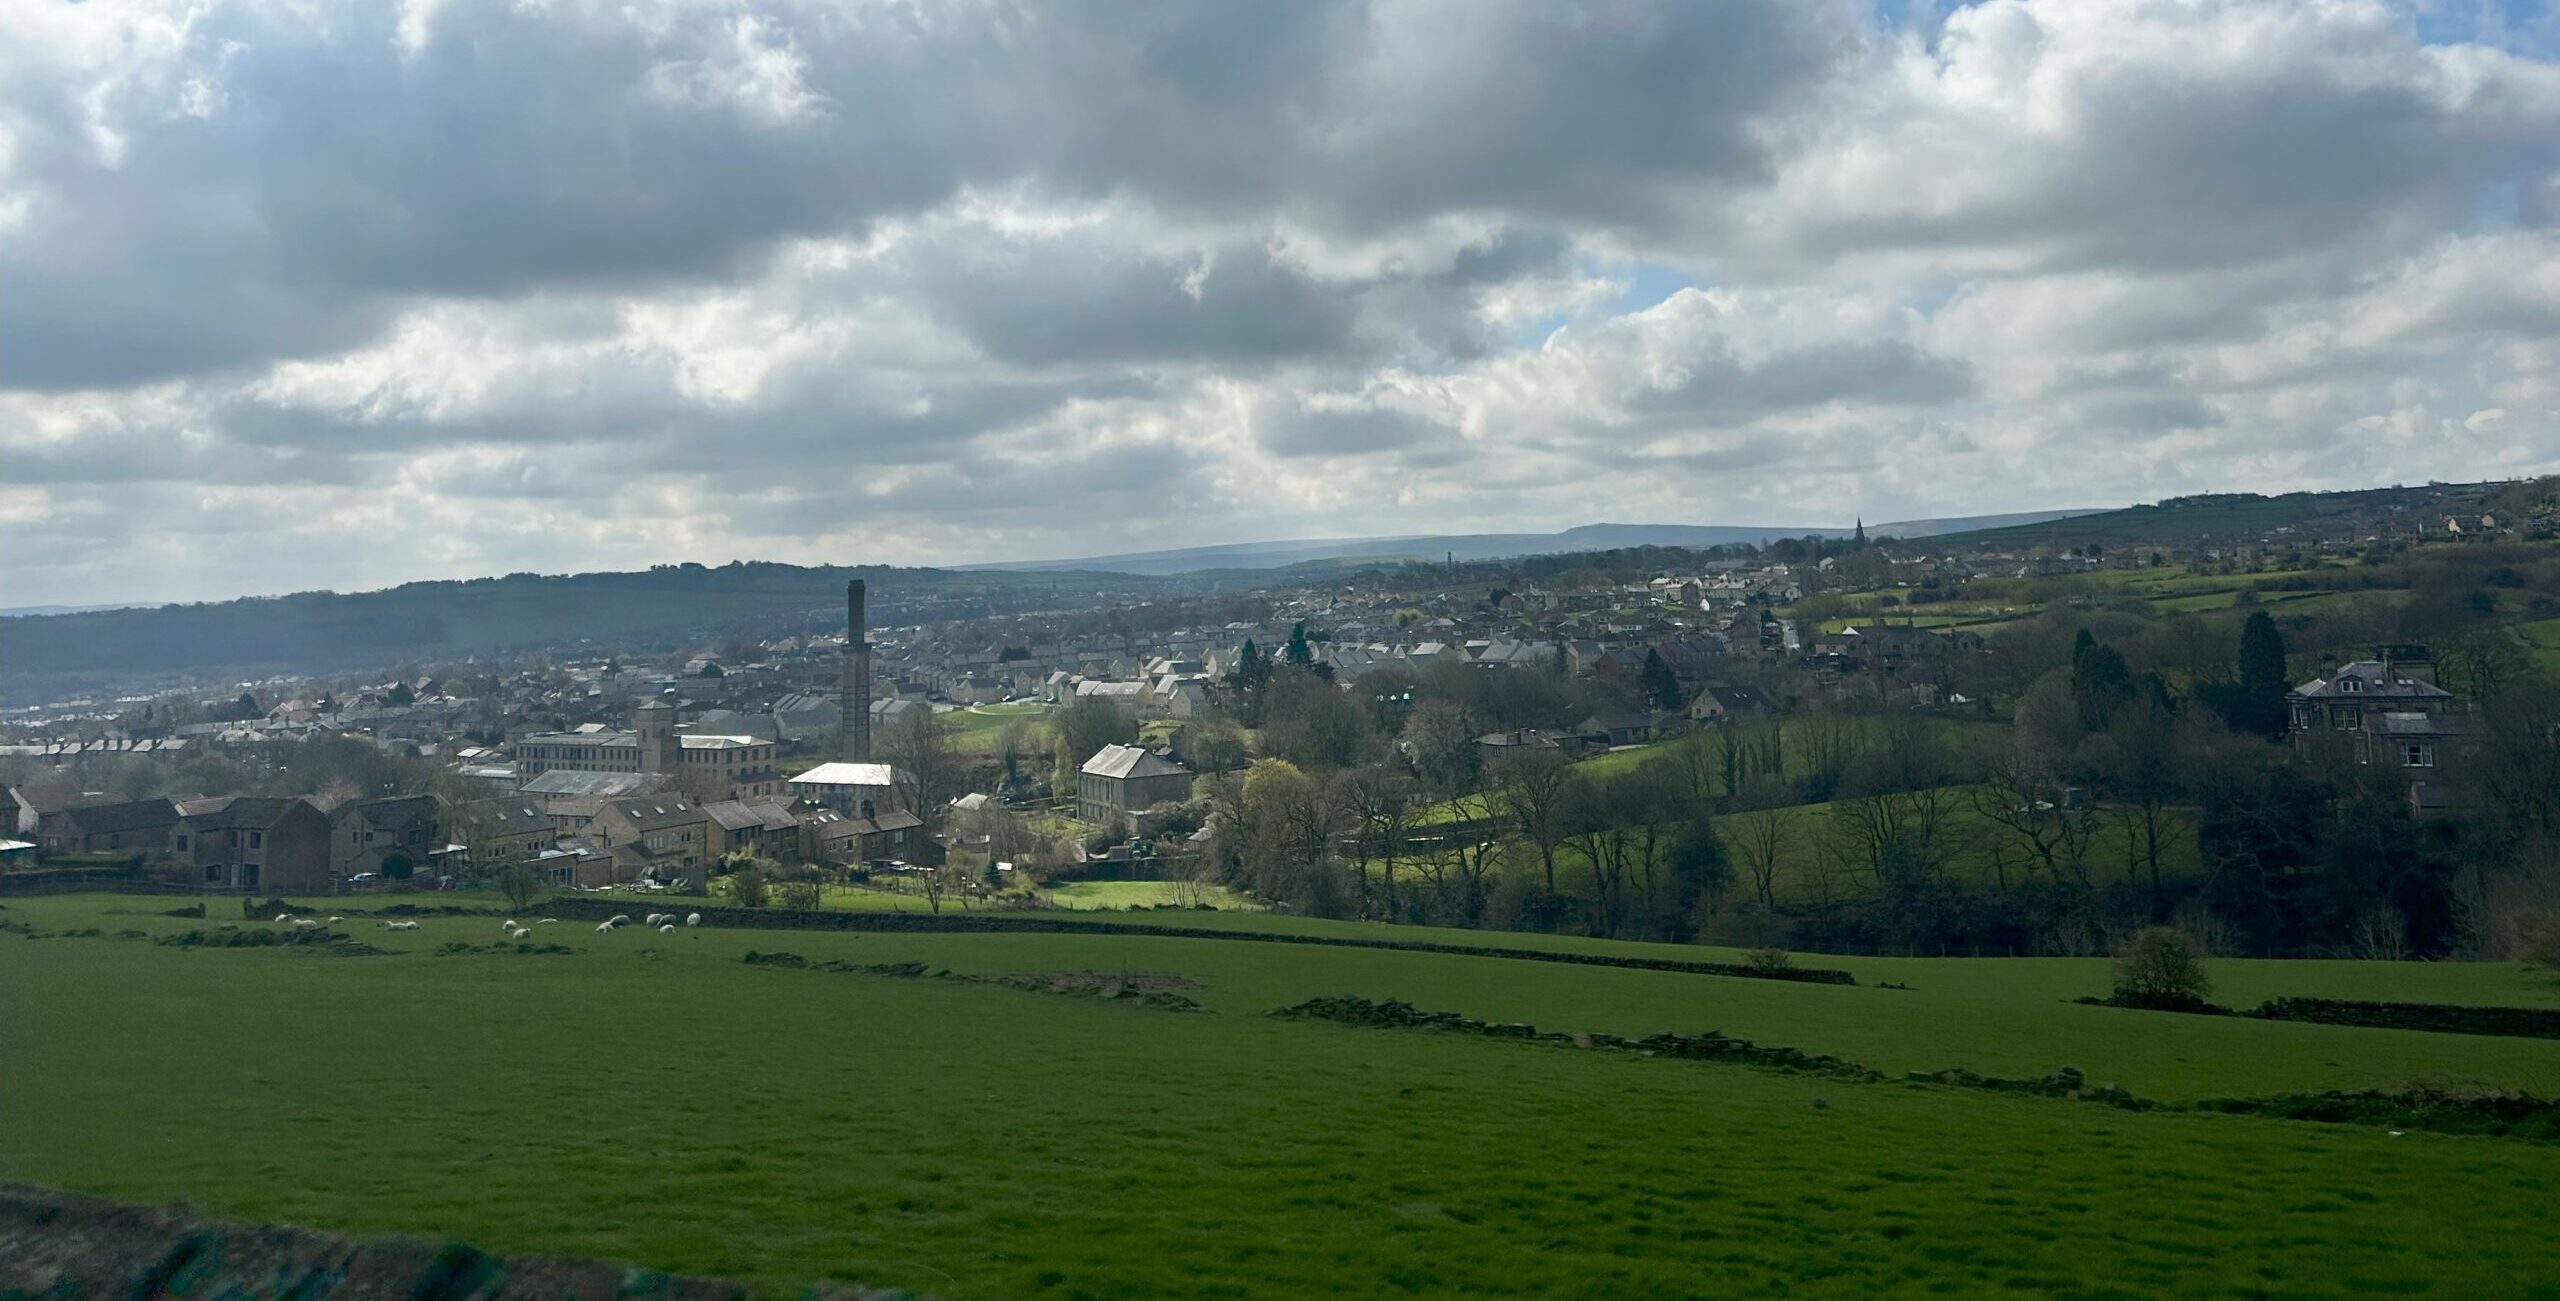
(658, 815)
(608, 785)
(2413, 723)
(2372, 683)
(129, 815)
(247, 812)
(1129, 761)
(517, 818)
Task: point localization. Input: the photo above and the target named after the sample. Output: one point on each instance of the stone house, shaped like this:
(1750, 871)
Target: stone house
(1120, 780)
(128, 826)
(386, 837)
(277, 844)
(665, 838)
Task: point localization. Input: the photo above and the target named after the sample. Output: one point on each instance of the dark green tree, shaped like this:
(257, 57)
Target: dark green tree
(2262, 678)
(2100, 682)
(1660, 686)
(1298, 652)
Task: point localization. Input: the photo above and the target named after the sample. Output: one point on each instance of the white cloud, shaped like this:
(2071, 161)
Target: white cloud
(480, 286)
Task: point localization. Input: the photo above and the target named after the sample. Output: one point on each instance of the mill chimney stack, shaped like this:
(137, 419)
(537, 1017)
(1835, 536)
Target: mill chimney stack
(856, 687)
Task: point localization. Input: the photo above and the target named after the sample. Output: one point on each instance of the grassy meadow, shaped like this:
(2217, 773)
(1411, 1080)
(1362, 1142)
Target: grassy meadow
(655, 1100)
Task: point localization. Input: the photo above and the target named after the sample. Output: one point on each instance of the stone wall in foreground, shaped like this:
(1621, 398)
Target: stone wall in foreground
(60, 1244)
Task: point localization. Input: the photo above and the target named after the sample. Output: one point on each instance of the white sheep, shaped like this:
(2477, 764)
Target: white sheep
(619, 919)
(400, 926)
(668, 929)
(306, 924)
(548, 921)
(335, 920)
(282, 918)
(694, 919)
(604, 928)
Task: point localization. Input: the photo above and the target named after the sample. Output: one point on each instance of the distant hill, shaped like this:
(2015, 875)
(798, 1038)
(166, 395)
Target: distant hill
(1492, 546)
(2227, 517)
(45, 657)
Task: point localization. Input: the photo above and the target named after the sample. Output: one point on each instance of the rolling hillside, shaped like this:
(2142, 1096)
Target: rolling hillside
(1497, 546)
(328, 631)
(2231, 517)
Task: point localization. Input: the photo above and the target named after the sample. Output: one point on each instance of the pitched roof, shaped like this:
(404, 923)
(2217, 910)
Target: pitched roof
(2372, 681)
(1130, 761)
(657, 815)
(847, 774)
(128, 815)
(609, 785)
(517, 818)
(242, 811)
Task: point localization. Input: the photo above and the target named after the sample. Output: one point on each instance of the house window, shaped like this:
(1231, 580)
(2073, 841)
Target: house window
(257, 839)
(213, 873)
(2348, 718)
(182, 842)
(2418, 754)
(248, 876)
(2351, 685)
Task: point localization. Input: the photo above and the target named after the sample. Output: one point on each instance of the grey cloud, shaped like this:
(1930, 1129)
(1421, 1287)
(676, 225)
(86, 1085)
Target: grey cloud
(1042, 304)
(1722, 388)
(1293, 430)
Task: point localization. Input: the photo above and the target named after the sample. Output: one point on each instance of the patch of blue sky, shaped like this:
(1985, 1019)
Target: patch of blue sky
(1641, 285)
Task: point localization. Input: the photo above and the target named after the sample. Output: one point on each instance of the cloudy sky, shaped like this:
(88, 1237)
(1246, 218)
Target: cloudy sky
(315, 294)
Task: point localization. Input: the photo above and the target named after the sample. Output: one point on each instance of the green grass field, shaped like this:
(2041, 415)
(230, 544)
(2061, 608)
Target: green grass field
(1088, 895)
(652, 1099)
(977, 729)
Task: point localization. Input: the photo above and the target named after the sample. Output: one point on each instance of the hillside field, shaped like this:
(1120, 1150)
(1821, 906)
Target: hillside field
(654, 1099)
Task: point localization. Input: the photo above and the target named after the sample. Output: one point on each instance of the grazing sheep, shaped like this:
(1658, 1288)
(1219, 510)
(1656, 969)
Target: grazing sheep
(305, 924)
(283, 917)
(668, 929)
(548, 921)
(653, 919)
(335, 920)
(693, 919)
(400, 926)
(604, 928)
(619, 919)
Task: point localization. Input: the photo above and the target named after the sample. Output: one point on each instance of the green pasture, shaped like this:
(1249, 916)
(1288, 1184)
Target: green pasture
(978, 729)
(1084, 896)
(652, 1099)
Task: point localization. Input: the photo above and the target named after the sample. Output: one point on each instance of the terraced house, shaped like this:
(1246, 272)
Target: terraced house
(664, 838)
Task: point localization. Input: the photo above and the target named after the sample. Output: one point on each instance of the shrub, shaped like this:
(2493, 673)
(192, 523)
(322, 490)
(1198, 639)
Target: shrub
(804, 892)
(1769, 961)
(2162, 967)
(749, 887)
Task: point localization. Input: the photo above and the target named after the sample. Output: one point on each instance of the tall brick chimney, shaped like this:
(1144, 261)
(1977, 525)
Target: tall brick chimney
(856, 687)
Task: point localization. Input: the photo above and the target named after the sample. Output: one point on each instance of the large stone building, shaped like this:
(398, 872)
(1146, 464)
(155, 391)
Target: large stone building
(2387, 711)
(1120, 780)
(858, 790)
(731, 767)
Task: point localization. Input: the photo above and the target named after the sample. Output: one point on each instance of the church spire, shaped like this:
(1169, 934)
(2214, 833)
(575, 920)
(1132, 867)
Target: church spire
(1862, 530)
